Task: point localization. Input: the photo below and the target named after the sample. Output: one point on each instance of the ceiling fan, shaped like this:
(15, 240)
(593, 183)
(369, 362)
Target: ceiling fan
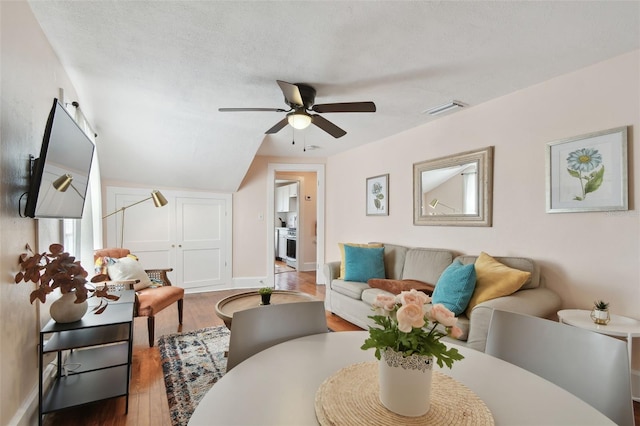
(300, 98)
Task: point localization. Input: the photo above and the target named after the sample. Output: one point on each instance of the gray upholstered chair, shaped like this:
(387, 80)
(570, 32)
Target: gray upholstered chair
(592, 366)
(256, 329)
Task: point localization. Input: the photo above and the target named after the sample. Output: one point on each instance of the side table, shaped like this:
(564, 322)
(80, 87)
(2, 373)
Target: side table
(100, 352)
(619, 326)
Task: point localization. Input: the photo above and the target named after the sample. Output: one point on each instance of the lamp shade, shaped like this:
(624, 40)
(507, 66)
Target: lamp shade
(299, 120)
(158, 198)
(63, 182)
(435, 202)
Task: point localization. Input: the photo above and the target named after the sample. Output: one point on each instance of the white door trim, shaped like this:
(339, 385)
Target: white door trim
(271, 178)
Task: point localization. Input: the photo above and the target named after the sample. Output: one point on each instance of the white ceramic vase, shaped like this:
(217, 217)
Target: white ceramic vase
(65, 309)
(405, 383)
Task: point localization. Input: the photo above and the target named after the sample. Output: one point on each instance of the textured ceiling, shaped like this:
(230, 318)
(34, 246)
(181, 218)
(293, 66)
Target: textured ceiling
(151, 75)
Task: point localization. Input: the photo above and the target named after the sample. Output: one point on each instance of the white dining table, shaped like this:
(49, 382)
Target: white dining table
(278, 386)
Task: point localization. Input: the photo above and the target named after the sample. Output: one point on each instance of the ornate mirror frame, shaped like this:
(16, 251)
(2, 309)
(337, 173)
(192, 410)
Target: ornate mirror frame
(437, 199)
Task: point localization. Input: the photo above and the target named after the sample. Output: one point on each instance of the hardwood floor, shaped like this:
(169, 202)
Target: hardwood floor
(148, 399)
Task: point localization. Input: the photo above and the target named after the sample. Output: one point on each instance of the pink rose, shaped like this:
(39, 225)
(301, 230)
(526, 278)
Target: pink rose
(454, 331)
(442, 315)
(385, 302)
(414, 297)
(410, 316)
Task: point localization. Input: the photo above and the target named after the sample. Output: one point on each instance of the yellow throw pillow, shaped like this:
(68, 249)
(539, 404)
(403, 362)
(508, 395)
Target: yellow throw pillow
(494, 279)
(342, 262)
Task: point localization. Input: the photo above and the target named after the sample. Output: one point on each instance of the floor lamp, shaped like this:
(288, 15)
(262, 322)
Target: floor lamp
(158, 201)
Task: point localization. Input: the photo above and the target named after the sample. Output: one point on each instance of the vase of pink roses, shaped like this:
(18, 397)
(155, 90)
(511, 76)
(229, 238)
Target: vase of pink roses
(407, 342)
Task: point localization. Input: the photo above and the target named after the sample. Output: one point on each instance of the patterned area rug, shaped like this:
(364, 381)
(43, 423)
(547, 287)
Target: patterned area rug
(192, 362)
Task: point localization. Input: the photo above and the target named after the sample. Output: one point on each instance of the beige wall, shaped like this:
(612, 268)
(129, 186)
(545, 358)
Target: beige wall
(584, 256)
(31, 78)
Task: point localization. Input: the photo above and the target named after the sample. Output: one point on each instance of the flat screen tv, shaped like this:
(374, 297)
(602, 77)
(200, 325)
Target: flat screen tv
(60, 176)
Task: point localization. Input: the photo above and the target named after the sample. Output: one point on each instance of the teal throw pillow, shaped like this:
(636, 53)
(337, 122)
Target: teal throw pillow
(455, 287)
(363, 263)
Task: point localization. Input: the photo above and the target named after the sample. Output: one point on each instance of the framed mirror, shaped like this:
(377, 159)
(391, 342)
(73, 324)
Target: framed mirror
(455, 190)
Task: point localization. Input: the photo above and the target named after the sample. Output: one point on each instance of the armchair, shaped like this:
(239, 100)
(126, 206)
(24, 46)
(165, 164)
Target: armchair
(149, 301)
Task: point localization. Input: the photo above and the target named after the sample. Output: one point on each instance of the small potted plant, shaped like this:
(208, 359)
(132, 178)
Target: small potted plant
(600, 313)
(265, 295)
(58, 269)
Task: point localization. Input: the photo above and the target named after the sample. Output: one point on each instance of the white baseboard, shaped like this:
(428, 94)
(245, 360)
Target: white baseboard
(27, 413)
(251, 282)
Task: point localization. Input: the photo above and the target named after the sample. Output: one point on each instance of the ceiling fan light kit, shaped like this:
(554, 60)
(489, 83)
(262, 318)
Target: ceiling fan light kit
(440, 109)
(299, 120)
(300, 98)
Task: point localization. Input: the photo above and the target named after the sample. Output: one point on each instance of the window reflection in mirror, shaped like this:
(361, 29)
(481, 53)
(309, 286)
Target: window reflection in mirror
(450, 190)
(454, 190)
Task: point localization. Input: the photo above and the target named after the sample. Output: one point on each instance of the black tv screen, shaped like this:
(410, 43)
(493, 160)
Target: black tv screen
(60, 176)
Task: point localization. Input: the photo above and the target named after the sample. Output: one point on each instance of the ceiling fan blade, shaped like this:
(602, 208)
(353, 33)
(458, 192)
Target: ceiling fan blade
(346, 107)
(291, 92)
(327, 126)
(279, 125)
(251, 109)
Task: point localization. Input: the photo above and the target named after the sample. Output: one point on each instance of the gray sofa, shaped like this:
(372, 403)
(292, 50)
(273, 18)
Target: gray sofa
(352, 300)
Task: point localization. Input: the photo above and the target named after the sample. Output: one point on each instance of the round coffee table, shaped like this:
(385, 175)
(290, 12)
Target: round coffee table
(238, 302)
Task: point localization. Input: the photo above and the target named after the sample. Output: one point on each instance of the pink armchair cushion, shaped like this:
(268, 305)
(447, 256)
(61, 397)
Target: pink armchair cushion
(111, 252)
(153, 300)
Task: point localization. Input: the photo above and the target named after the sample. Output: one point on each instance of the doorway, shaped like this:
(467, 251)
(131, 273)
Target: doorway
(309, 230)
(287, 213)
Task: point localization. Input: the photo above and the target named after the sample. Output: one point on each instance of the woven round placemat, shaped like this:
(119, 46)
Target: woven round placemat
(350, 397)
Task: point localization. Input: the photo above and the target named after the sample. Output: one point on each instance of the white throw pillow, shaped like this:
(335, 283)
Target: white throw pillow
(127, 268)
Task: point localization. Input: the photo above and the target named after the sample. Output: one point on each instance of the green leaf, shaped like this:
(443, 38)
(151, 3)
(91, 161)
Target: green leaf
(376, 202)
(573, 173)
(419, 341)
(594, 183)
(577, 198)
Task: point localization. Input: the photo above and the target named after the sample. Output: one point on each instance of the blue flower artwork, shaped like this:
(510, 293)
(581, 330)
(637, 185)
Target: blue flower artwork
(585, 164)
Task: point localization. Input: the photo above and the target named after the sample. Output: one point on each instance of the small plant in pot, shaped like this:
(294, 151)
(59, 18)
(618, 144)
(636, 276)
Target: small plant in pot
(600, 313)
(265, 295)
(57, 269)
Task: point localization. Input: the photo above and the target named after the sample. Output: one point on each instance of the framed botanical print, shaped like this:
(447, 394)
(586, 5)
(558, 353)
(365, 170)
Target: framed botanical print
(378, 195)
(588, 172)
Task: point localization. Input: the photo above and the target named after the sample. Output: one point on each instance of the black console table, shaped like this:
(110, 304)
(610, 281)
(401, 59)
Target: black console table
(98, 366)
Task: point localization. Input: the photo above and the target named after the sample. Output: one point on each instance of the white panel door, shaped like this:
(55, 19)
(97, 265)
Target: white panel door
(200, 237)
(191, 234)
